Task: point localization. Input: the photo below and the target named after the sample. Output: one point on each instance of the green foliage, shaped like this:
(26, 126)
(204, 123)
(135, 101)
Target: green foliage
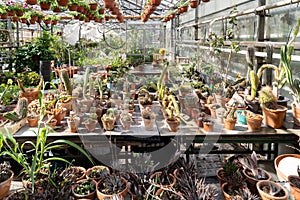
(9, 93)
(30, 54)
(29, 78)
(113, 184)
(85, 187)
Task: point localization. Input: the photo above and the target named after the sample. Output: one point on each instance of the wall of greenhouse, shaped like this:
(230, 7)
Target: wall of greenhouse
(195, 42)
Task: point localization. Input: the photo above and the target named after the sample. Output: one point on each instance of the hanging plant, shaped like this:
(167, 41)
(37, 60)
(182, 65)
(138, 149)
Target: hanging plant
(101, 11)
(62, 2)
(194, 3)
(45, 4)
(93, 6)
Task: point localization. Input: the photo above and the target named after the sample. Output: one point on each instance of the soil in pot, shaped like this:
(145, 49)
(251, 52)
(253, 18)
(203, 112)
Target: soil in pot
(5, 185)
(279, 192)
(295, 186)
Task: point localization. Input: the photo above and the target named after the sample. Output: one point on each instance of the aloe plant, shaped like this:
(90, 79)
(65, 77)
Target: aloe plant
(285, 53)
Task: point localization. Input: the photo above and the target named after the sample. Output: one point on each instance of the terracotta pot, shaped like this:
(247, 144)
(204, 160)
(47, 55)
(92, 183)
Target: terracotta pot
(173, 124)
(200, 121)
(148, 123)
(254, 124)
(60, 116)
(98, 167)
(56, 10)
(294, 189)
(126, 125)
(155, 176)
(90, 195)
(93, 6)
(251, 181)
(80, 172)
(184, 9)
(287, 167)
(52, 123)
(73, 7)
(109, 4)
(102, 196)
(155, 2)
(101, 11)
(208, 126)
(31, 2)
(205, 1)
(24, 21)
(219, 177)
(80, 9)
(10, 12)
(47, 21)
(229, 124)
(19, 13)
(5, 185)
(14, 19)
(194, 3)
(73, 124)
(91, 125)
(33, 122)
(62, 2)
(224, 191)
(265, 196)
(54, 22)
(274, 118)
(296, 114)
(108, 125)
(30, 94)
(4, 16)
(45, 6)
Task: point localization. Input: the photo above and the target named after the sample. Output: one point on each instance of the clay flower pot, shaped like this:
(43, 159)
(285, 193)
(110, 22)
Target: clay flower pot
(294, 186)
(31, 2)
(229, 124)
(265, 196)
(98, 168)
(208, 125)
(296, 114)
(33, 121)
(45, 6)
(5, 185)
(251, 181)
(108, 124)
(274, 118)
(253, 120)
(194, 3)
(173, 124)
(286, 165)
(102, 196)
(51, 123)
(91, 124)
(90, 195)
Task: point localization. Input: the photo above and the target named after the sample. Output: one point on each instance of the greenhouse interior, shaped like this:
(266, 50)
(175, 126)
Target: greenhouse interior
(203, 94)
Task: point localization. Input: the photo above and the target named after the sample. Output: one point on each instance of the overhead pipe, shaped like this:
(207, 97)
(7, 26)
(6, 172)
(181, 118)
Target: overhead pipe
(246, 12)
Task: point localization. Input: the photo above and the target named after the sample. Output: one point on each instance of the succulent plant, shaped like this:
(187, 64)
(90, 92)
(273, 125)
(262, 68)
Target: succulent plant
(267, 98)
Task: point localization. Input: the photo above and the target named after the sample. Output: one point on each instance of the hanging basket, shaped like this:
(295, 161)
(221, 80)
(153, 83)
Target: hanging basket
(93, 6)
(45, 6)
(62, 2)
(54, 22)
(73, 7)
(194, 3)
(101, 11)
(155, 2)
(31, 2)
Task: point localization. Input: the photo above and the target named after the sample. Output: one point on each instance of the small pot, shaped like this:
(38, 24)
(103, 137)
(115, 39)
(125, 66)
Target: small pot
(229, 124)
(173, 124)
(33, 122)
(208, 125)
(102, 196)
(251, 181)
(89, 171)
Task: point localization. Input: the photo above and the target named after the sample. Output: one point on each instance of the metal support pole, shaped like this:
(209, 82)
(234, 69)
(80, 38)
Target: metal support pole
(18, 39)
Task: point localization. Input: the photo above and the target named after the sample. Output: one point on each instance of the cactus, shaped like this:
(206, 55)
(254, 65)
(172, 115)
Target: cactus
(267, 97)
(19, 112)
(85, 83)
(254, 83)
(250, 61)
(65, 79)
(230, 114)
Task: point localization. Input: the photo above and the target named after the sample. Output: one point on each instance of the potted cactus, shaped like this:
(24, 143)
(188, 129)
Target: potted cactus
(273, 113)
(110, 186)
(148, 117)
(84, 189)
(126, 120)
(91, 122)
(230, 118)
(108, 120)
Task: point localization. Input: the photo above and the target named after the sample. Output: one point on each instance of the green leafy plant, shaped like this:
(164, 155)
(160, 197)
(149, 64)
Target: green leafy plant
(38, 163)
(113, 184)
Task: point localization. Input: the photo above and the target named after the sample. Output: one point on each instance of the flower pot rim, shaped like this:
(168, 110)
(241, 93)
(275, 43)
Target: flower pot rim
(259, 183)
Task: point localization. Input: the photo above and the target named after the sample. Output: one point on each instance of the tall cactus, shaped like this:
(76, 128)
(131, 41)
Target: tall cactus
(65, 79)
(85, 82)
(254, 83)
(250, 61)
